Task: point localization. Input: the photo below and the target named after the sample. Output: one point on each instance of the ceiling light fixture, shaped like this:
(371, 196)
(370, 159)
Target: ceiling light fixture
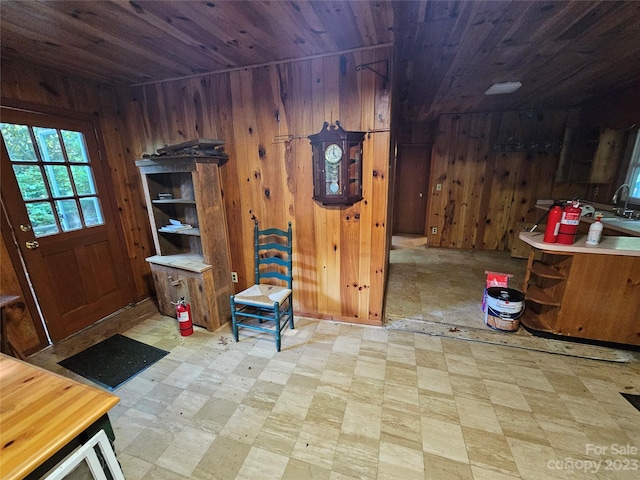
(504, 87)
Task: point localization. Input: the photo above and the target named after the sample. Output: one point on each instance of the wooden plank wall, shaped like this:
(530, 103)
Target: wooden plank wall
(486, 193)
(45, 91)
(265, 115)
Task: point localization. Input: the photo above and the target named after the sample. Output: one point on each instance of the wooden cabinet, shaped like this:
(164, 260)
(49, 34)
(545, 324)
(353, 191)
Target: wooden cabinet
(193, 259)
(583, 295)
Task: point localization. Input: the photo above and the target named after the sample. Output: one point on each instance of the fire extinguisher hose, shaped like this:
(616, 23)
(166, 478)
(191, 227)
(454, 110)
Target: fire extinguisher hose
(556, 203)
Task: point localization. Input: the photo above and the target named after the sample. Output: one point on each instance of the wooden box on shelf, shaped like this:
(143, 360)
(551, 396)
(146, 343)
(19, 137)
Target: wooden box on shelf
(189, 228)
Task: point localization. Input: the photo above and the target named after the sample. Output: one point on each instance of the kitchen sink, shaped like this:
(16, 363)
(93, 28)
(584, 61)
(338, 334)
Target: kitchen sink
(626, 223)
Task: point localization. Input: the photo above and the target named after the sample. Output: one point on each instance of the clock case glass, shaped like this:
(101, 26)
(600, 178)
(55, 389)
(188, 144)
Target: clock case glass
(337, 180)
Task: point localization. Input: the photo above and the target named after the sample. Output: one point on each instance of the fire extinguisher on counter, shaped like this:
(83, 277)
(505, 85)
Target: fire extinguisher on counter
(569, 223)
(553, 224)
(183, 311)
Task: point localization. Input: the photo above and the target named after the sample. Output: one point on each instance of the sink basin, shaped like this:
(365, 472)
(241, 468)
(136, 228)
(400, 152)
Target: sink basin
(605, 214)
(621, 220)
(626, 223)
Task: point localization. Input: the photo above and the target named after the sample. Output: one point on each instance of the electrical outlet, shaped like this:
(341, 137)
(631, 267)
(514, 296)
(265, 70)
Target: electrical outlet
(234, 277)
(434, 230)
(438, 187)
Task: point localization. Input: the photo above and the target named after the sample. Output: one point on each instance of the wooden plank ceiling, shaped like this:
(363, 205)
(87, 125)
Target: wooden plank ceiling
(447, 53)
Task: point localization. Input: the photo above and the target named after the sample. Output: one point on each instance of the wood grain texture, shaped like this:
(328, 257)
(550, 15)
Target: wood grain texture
(597, 297)
(602, 299)
(22, 331)
(40, 90)
(487, 193)
(265, 115)
(41, 412)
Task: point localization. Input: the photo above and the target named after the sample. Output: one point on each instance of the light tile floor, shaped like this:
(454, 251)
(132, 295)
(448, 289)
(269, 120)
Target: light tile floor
(345, 401)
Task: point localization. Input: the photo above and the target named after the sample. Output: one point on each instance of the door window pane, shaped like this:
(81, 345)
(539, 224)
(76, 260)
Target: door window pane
(30, 182)
(68, 215)
(49, 144)
(83, 180)
(91, 211)
(42, 219)
(59, 181)
(74, 145)
(18, 142)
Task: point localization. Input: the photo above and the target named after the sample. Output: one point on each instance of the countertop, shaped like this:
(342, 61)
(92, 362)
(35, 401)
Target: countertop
(185, 261)
(42, 412)
(626, 246)
(609, 221)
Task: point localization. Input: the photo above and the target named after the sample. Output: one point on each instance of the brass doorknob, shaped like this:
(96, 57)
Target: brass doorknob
(32, 245)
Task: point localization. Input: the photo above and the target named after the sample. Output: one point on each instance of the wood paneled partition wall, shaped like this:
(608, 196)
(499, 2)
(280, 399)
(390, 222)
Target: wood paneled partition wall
(35, 89)
(265, 114)
(486, 189)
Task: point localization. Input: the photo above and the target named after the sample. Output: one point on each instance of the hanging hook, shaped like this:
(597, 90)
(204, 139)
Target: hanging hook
(367, 66)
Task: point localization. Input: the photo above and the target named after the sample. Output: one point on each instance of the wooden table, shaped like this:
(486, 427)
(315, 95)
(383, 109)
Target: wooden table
(44, 416)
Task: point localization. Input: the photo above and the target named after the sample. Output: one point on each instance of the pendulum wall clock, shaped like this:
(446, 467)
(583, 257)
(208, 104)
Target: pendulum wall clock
(337, 165)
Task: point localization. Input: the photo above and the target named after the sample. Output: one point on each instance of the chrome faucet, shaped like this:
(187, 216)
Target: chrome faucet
(618, 193)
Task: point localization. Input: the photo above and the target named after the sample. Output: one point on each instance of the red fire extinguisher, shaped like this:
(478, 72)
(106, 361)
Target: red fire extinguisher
(569, 223)
(553, 224)
(183, 310)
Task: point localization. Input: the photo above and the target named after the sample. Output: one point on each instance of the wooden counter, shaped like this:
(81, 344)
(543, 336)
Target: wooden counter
(584, 292)
(627, 246)
(613, 225)
(41, 413)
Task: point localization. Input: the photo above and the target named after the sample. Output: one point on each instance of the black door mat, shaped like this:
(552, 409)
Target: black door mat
(632, 399)
(113, 361)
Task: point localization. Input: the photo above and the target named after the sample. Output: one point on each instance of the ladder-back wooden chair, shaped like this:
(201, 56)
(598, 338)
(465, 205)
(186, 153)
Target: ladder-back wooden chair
(267, 306)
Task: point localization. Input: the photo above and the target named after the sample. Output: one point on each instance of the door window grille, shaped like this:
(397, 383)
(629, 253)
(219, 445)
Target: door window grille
(55, 177)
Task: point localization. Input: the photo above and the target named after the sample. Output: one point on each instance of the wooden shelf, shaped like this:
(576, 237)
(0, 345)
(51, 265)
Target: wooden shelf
(184, 261)
(530, 320)
(194, 232)
(543, 270)
(174, 201)
(537, 295)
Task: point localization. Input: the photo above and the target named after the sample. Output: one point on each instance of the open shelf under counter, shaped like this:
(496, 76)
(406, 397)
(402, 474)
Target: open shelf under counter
(533, 322)
(546, 271)
(582, 292)
(536, 294)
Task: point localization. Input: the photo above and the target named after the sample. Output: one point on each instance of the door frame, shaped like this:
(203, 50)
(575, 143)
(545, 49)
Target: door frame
(101, 166)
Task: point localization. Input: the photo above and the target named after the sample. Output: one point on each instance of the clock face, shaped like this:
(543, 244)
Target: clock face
(333, 153)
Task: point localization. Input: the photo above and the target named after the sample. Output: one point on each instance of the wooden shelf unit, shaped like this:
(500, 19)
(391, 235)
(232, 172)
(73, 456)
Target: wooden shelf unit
(544, 286)
(192, 263)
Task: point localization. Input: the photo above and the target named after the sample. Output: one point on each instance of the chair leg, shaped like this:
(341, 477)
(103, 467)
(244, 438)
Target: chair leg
(276, 315)
(291, 313)
(234, 325)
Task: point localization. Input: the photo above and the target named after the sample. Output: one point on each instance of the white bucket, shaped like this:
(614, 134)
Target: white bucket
(504, 308)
